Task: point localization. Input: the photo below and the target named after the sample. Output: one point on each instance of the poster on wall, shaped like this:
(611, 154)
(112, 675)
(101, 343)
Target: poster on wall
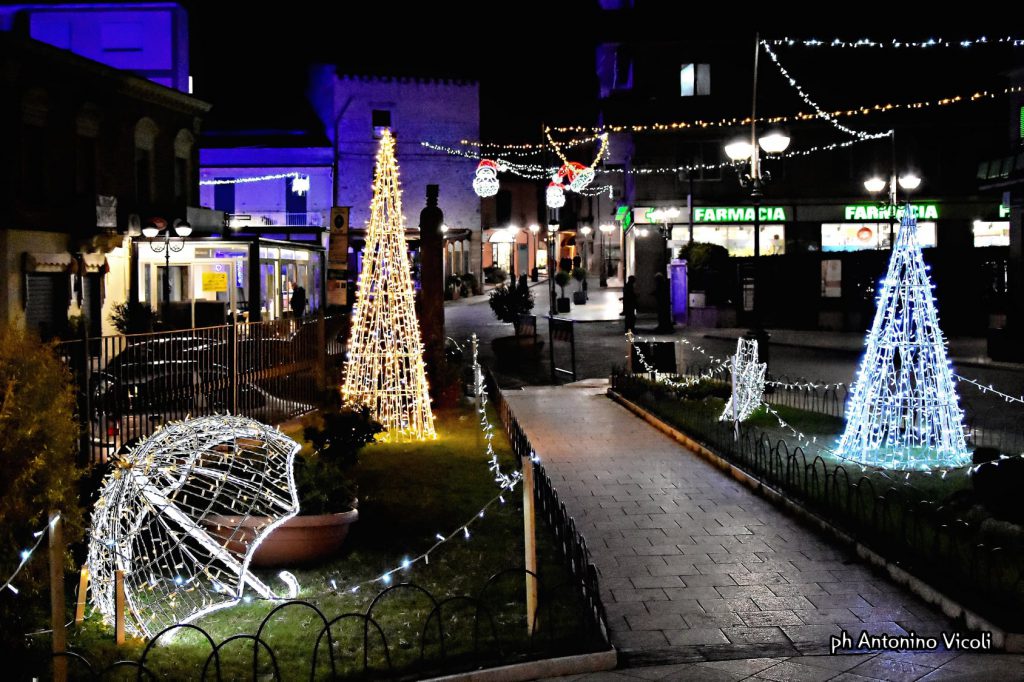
(337, 257)
(832, 278)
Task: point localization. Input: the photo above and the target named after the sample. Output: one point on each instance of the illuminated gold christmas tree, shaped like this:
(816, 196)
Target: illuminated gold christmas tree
(385, 369)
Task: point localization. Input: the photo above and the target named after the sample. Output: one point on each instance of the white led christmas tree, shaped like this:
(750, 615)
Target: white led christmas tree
(903, 411)
(385, 369)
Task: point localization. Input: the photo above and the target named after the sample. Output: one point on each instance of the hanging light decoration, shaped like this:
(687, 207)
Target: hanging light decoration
(578, 175)
(555, 194)
(485, 184)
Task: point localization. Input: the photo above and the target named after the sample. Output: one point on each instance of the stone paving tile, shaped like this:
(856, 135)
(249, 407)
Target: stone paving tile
(882, 668)
(745, 667)
(792, 671)
(682, 548)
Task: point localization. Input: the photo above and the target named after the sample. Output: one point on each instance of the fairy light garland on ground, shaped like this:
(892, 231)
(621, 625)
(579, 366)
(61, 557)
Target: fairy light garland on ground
(930, 43)
(26, 554)
(384, 369)
(506, 484)
(719, 365)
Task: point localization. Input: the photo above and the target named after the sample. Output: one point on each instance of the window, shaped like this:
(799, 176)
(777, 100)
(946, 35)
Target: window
(183, 142)
(224, 196)
(145, 142)
(33, 162)
(694, 80)
(381, 120)
(121, 36)
(180, 179)
(623, 69)
(991, 233)
(866, 236)
(294, 204)
(85, 165)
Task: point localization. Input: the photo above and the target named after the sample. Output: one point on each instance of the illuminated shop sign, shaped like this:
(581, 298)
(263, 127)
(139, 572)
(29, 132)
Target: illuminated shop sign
(738, 214)
(876, 212)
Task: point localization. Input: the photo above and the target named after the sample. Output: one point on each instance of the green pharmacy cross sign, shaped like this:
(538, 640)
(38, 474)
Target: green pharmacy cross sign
(859, 212)
(738, 214)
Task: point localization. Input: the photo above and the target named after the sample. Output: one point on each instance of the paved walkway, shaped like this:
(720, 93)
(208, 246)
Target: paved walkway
(697, 572)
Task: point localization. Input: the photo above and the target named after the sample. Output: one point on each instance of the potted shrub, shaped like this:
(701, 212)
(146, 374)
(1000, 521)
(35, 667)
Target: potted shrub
(132, 318)
(327, 490)
(579, 296)
(562, 278)
(509, 302)
(471, 283)
(453, 287)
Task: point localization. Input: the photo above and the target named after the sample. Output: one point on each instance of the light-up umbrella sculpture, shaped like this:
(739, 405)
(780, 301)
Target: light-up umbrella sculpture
(171, 516)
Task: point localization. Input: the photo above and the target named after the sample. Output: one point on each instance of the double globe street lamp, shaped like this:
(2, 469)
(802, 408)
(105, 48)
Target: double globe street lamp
(908, 182)
(167, 245)
(740, 152)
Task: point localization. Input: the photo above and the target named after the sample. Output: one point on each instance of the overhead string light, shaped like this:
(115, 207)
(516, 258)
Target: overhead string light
(811, 103)
(524, 149)
(930, 43)
(301, 186)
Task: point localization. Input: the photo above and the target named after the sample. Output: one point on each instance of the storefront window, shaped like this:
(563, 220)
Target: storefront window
(991, 233)
(866, 236)
(739, 239)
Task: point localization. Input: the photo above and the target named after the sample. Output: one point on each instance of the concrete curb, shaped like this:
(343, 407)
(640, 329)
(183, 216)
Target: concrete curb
(533, 670)
(1008, 641)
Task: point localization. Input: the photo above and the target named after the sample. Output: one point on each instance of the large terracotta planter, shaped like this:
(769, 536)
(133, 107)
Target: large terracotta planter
(299, 540)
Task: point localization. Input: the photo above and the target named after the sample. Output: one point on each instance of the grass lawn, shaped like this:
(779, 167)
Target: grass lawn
(408, 493)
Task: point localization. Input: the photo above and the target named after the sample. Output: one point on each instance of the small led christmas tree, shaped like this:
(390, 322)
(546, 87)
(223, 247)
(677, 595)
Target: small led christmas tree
(747, 382)
(903, 411)
(385, 369)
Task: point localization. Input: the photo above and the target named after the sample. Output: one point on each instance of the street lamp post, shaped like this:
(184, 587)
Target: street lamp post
(606, 259)
(552, 241)
(167, 245)
(908, 182)
(534, 229)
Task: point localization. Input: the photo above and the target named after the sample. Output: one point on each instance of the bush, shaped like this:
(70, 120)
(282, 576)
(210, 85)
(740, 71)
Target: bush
(495, 275)
(580, 275)
(707, 269)
(132, 318)
(38, 434)
(323, 478)
(562, 278)
(509, 302)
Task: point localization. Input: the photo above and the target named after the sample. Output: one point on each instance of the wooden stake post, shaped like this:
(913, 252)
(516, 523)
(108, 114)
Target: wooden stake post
(119, 607)
(56, 536)
(83, 588)
(530, 545)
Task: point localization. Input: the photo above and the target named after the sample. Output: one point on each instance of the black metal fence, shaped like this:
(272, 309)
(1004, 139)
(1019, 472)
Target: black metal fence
(572, 544)
(128, 385)
(406, 632)
(979, 563)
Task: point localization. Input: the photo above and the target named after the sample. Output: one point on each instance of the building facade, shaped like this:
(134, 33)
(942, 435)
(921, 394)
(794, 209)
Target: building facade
(823, 237)
(91, 154)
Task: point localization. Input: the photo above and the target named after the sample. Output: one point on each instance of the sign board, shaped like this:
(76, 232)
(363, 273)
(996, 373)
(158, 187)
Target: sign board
(215, 281)
(337, 257)
(832, 278)
(738, 214)
(885, 212)
(106, 211)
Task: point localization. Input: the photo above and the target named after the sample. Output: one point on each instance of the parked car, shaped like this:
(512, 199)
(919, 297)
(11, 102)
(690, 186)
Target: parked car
(170, 378)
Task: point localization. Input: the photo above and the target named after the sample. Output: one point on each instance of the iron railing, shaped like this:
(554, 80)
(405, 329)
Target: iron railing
(955, 553)
(128, 385)
(456, 634)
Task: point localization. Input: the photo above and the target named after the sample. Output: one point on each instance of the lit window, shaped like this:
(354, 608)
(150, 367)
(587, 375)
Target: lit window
(991, 233)
(694, 79)
(867, 236)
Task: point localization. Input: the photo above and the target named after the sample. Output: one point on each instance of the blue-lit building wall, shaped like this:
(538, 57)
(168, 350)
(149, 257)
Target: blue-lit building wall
(148, 39)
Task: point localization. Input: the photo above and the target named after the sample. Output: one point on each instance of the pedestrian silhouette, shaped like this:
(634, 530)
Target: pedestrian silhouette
(664, 304)
(629, 302)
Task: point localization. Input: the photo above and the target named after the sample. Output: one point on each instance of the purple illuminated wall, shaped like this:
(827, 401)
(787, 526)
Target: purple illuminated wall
(148, 39)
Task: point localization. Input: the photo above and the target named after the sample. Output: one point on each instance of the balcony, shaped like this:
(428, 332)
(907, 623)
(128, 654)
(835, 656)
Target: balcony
(257, 219)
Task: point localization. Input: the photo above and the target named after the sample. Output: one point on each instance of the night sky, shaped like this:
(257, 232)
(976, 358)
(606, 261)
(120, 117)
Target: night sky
(534, 59)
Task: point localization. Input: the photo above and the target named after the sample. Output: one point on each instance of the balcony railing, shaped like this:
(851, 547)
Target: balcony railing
(275, 219)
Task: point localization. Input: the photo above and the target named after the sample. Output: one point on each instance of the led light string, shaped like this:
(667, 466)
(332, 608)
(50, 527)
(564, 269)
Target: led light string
(602, 139)
(537, 172)
(526, 147)
(988, 389)
(243, 181)
(860, 110)
(806, 385)
(26, 554)
(717, 368)
(807, 98)
(930, 43)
